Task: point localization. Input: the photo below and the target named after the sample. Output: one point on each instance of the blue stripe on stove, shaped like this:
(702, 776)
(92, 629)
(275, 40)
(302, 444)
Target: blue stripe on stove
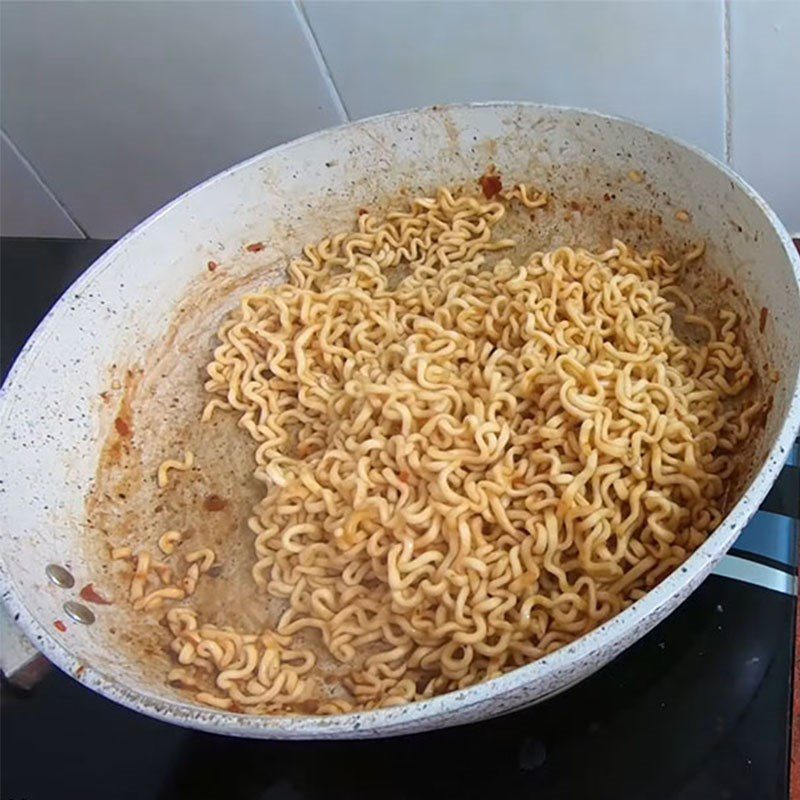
(742, 569)
(771, 535)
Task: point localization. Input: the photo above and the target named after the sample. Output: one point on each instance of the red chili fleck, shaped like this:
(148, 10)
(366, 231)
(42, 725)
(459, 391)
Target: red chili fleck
(212, 265)
(123, 429)
(491, 185)
(762, 319)
(607, 197)
(362, 211)
(403, 477)
(60, 626)
(255, 247)
(214, 503)
(89, 594)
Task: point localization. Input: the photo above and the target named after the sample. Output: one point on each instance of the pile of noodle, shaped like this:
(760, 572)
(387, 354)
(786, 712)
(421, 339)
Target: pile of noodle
(468, 461)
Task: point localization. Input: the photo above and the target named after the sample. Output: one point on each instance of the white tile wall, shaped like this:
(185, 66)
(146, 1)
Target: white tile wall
(122, 106)
(27, 208)
(765, 101)
(658, 62)
(119, 107)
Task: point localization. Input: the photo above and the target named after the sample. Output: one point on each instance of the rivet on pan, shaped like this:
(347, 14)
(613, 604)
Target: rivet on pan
(79, 612)
(60, 576)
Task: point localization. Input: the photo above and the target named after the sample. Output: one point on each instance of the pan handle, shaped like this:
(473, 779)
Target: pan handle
(22, 665)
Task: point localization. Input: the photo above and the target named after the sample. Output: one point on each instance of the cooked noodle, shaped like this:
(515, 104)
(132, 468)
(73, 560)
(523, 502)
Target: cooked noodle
(168, 541)
(162, 478)
(466, 462)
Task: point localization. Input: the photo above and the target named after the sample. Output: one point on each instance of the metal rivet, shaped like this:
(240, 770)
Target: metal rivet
(60, 576)
(79, 612)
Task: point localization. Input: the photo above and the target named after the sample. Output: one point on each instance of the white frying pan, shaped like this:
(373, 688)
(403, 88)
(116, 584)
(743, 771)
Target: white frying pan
(51, 422)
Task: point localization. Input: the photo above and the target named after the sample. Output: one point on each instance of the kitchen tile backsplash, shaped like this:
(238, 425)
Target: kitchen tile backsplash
(122, 106)
(765, 102)
(119, 107)
(27, 207)
(659, 63)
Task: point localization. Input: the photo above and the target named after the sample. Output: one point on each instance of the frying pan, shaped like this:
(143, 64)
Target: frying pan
(608, 177)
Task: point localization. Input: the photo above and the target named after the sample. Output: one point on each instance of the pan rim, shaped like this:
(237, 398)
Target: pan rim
(462, 706)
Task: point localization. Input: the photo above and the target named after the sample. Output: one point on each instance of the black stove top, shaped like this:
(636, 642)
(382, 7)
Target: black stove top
(700, 708)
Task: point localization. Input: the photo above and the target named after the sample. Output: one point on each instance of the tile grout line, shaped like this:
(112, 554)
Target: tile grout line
(322, 64)
(45, 188)
(728, 92)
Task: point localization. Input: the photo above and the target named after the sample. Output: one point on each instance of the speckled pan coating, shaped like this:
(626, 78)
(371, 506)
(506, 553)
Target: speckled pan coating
(49, 440)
